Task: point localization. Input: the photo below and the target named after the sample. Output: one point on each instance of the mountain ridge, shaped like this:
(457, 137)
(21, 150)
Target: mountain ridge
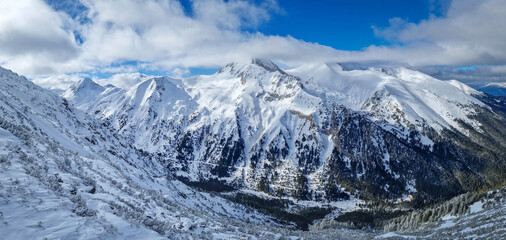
(259, 127)
(74, 176)
(79, 176)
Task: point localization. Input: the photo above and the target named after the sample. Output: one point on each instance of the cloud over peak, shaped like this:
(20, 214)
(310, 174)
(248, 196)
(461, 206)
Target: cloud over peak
(64, 37)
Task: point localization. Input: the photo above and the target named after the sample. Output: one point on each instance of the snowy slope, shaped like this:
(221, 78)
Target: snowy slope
(465, 88)
(65, 175)
(398, 95)
(141, 112)
(482, 218)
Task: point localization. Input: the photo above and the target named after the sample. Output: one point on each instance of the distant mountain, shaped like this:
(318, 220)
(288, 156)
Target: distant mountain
(87, 91)
(494, 90)
(317, 132)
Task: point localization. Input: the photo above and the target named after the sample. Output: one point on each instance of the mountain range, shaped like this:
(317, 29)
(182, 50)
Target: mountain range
(172, 157)
(317, 132)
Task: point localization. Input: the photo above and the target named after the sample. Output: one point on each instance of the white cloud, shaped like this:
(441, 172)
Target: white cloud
(477, 77)
(471, 32)
(232, 14)
(32, 37)
(123, 80)
(159, 35)
(180, 72)
(59, 81)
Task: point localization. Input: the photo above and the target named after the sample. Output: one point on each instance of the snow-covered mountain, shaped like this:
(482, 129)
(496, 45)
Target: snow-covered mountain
(86, 92)
(109, 168)
(398, 95)
(139, 113)
(314, 132)
(66, 175)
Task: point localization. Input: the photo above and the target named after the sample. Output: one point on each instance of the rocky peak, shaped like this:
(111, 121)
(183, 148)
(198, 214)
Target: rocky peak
(87, 84)
(251, 67)
(85, 90)
(266, 64)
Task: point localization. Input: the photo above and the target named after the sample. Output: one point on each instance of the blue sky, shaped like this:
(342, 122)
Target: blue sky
(344, 24)
(325, 21)
(68, 39)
